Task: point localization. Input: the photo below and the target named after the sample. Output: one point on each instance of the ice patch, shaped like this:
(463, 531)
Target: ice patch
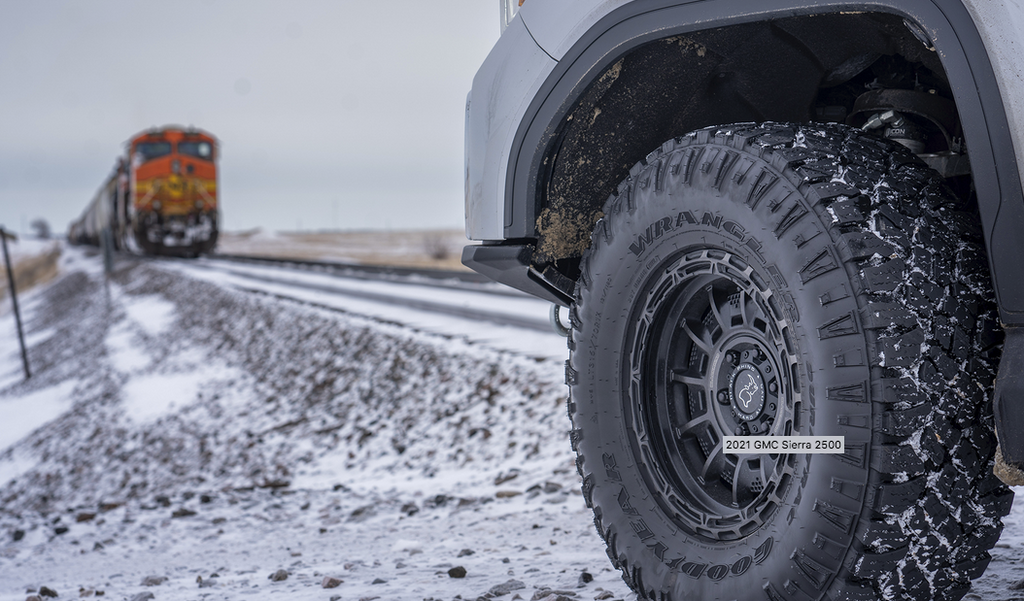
(154, 314)
(23, 415)
(124, 354)
(14, 466)
(37, 337)
(147, 398)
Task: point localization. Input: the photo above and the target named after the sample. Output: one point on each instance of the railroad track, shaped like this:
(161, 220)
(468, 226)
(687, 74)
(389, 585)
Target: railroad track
(359, 270)
(464, 295)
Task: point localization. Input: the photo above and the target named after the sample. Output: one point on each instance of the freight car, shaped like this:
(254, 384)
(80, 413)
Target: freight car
(161, 199)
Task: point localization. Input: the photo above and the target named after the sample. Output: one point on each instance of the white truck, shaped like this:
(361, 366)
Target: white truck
(771, 218)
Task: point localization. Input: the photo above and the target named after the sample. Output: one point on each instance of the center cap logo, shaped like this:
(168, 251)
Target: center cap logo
(746, 391)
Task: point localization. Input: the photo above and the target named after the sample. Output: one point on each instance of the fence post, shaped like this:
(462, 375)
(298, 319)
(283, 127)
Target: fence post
(107, 241)
(14, 298)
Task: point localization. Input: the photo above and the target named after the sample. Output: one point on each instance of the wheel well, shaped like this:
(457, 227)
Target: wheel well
(794, 69)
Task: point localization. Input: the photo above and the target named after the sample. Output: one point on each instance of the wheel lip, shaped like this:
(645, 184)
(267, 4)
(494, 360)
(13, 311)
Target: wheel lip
(637, 339)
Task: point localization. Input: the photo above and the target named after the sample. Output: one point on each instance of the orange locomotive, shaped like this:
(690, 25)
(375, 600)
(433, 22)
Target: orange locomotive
(162, 199)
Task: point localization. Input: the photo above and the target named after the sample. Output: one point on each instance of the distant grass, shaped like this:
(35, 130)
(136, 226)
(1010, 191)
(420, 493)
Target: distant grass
(438, 249)
(30, 271)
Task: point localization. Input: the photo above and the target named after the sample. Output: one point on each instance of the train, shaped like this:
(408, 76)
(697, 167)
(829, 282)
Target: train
(160, 199)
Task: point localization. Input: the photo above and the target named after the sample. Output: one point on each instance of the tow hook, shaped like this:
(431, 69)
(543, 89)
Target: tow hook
(556, 321)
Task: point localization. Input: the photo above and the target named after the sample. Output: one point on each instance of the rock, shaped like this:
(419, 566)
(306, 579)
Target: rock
(603, 595)
(279, 575)
(362, 513)
(547, 594)
(457, 572)
(335, 597)
(105, 507)
(410, 509)
(585, 579)
(507, 494)
(1017, 586)
(208, 583)
(154, 580)
(33, 598)
(60, 529)
(45, 591)
(205, 498)
(331, 582)
(505, 560)
(437, 501)
(182, 513)
(507, 587)
(163, 501)
(505, 477)
(85, 516)
(18, 535)
(465, 552)
(379, 581)
(552, 487)
(399, 565)
(143, 596)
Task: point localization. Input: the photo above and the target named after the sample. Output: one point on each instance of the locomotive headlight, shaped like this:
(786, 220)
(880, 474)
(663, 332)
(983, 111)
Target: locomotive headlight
(176, 166)
(157, 205)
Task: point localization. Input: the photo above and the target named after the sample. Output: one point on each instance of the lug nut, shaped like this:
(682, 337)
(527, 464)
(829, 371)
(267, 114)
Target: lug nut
(771, 406)
(723, 397)
(730, 357)
(773, 387)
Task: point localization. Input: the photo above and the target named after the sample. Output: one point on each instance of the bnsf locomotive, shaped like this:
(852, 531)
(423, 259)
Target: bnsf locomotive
(161, 199)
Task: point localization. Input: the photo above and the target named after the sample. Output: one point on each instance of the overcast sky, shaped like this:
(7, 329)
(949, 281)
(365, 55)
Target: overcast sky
(331, 114)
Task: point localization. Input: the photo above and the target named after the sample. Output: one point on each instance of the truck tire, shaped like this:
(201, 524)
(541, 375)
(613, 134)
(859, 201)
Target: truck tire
(776, 279)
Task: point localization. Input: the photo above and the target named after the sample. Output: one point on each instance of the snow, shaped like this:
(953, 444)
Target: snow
(212, 443)
(25, 414)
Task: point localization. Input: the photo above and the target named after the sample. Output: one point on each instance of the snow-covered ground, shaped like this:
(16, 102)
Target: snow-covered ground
(181, 431)
(184, 438)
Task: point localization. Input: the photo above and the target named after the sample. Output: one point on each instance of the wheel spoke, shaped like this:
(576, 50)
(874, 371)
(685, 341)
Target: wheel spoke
(746, 311)
(697, 340)
(690, 380)
(722, 325)
(736, 482)
(706, 418)
(715, 452)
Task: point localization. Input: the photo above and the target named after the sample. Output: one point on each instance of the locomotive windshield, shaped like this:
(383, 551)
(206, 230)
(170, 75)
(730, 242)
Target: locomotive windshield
(151, 150)
(202, 150)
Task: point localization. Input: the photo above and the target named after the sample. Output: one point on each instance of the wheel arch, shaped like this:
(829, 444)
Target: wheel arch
(554, 136)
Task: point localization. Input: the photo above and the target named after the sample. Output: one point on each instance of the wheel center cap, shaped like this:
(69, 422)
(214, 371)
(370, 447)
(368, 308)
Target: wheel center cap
(746, 391)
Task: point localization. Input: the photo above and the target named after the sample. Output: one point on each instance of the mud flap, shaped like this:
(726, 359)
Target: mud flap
(1009, 410)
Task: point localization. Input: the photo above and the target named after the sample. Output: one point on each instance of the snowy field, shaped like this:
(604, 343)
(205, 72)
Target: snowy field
(181, 432)
(188, 436)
